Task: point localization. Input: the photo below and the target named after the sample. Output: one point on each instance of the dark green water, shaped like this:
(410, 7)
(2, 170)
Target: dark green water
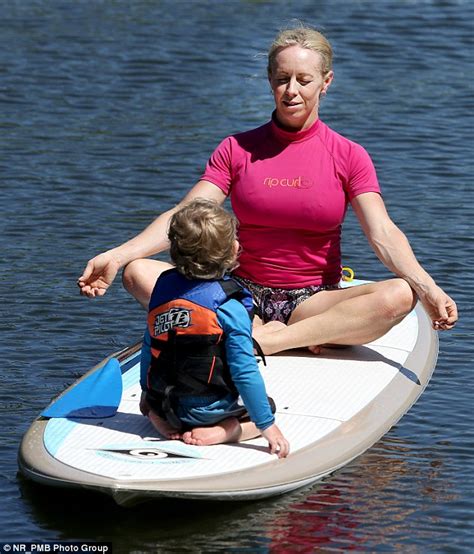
(108, 113)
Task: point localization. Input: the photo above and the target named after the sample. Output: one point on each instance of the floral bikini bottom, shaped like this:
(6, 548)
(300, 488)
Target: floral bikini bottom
(274, 304)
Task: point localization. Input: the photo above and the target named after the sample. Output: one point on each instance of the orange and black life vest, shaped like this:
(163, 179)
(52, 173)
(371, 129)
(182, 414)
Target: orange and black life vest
(187, 341)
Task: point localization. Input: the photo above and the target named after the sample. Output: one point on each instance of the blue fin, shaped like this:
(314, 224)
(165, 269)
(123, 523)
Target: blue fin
(96, 396)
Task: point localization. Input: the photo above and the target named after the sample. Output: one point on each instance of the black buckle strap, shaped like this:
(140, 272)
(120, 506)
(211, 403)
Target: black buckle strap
(168, 411)
(231, 288)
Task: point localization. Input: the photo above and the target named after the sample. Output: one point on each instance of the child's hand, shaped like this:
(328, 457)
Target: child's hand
(144, 407)
(277, 442)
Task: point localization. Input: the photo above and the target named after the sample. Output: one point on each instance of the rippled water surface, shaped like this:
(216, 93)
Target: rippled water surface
(108, 113)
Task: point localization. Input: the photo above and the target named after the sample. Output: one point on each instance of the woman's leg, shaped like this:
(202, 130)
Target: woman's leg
(139, 278)
(349, 316)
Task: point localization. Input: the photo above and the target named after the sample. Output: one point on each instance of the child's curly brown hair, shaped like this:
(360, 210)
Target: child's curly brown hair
(202, 238)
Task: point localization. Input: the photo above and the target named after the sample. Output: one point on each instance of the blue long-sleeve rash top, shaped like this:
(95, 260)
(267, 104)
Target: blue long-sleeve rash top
(234, 320)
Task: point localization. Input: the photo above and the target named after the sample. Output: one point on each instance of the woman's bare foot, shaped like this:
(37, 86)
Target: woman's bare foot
(263, 332)
(315, 349)
(163, 427)
(228, 430)
(272, 326)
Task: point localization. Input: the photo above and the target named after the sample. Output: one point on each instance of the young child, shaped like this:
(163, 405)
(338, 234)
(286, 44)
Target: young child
(197, 355)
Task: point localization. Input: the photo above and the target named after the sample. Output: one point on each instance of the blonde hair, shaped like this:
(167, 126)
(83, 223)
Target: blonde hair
(202, 236)
(303, 36)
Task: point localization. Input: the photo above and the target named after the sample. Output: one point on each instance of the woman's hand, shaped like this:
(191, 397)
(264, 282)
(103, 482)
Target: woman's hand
(277, 442)
(441, 308)
(98, 275)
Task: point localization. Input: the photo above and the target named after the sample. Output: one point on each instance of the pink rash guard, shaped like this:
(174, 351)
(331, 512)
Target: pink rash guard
(290, 191)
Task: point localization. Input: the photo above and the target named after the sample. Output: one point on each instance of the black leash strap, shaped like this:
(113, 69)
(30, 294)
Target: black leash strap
(259, 350)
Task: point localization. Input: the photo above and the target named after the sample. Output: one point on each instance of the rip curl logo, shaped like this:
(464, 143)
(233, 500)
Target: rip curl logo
(292, 182)
(175, 317)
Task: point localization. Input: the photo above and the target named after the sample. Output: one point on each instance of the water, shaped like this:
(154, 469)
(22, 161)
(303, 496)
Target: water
(108, 112)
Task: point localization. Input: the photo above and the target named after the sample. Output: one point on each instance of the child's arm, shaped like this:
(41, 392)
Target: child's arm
(245, 373)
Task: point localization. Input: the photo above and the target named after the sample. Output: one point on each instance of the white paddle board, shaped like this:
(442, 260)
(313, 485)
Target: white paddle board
(331, 408)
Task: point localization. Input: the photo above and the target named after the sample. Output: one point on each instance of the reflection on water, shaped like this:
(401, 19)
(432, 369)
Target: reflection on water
(109, 111)
(342, 513)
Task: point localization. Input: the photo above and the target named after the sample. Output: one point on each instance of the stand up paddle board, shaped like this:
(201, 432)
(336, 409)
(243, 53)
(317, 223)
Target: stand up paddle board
(331, 408)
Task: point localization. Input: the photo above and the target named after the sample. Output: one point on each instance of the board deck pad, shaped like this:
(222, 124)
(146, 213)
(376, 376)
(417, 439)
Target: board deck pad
(337, 385)
(331, 407)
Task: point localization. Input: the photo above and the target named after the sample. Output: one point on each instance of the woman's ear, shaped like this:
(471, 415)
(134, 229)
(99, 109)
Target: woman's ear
(327, 81)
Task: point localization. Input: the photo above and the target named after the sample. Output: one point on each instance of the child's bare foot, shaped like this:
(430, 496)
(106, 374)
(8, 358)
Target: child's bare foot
(249, 431)
(227, 430)
(163, 427)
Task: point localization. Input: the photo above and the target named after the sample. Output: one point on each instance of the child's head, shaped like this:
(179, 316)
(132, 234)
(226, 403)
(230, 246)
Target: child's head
(202, 238)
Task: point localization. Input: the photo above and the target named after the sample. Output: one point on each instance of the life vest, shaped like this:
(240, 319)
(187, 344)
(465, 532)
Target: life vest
(187, 341)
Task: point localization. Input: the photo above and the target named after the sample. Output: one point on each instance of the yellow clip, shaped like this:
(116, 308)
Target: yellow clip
(347, 274)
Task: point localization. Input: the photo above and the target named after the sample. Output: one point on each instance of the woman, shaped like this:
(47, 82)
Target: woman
(290, 182)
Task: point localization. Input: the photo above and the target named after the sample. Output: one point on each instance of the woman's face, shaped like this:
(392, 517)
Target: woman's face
(297, 82)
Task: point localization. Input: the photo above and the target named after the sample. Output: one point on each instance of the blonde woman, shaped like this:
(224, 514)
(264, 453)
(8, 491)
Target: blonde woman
(290, 182)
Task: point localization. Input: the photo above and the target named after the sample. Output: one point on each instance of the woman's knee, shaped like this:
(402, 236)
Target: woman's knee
(131, 274)
(397, 299)
(139, 278)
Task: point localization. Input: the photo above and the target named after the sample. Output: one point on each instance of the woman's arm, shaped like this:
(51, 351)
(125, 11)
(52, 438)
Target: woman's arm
(394, 251)
(102, 269)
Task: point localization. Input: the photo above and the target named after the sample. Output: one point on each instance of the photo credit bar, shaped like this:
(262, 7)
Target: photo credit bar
(52, 547)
